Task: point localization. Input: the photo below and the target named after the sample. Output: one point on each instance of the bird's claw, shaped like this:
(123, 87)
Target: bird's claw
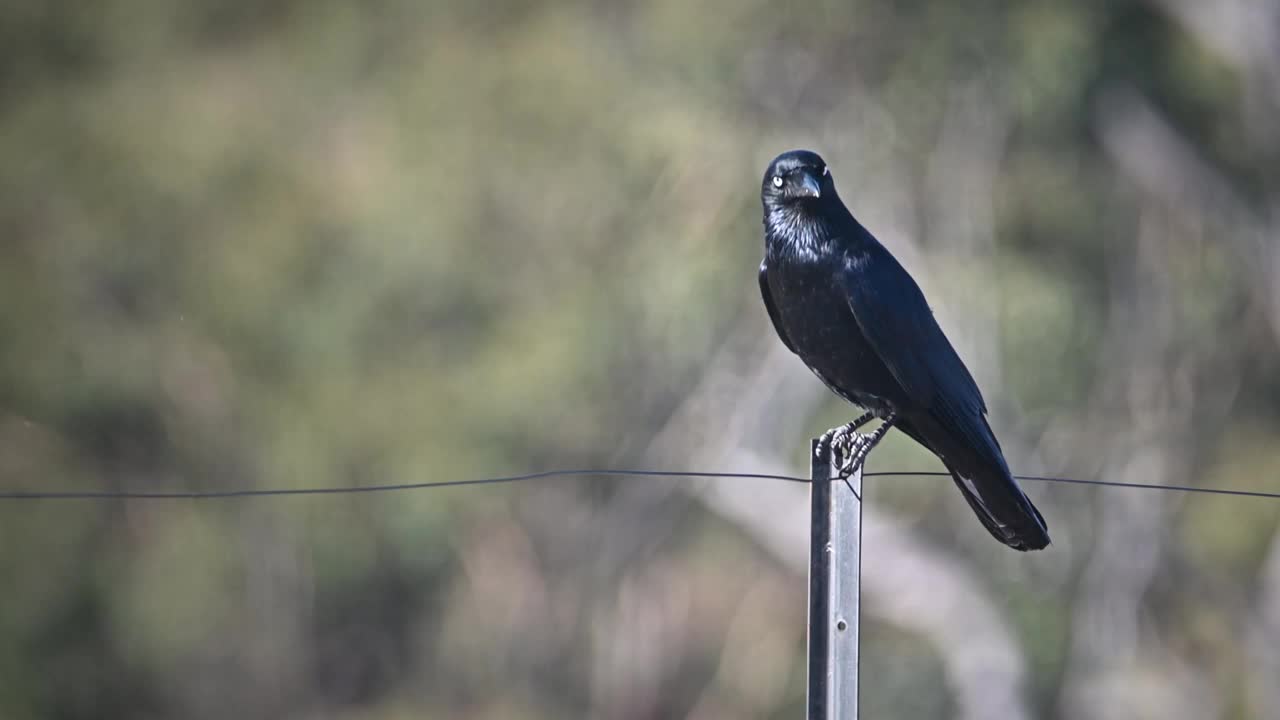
(846, 445)
(842, 443)
(857, 455)
(832, 443)
(847, 453)
(849, 449)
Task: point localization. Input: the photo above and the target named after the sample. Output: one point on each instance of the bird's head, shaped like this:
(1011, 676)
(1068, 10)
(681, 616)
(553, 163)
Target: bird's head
(796, 178)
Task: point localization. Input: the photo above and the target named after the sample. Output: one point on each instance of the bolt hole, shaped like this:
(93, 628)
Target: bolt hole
(842, 625)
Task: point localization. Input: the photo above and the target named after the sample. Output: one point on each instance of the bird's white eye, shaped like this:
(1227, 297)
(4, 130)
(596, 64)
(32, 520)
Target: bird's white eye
(777, 181)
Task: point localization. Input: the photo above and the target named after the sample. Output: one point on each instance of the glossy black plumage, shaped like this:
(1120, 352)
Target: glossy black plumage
(841, 302)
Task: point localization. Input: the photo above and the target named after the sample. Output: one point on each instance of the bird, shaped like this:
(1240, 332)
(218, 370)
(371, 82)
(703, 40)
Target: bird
(840, 301)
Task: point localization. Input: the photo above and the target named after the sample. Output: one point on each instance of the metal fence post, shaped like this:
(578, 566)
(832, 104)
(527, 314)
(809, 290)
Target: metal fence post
(835, 565)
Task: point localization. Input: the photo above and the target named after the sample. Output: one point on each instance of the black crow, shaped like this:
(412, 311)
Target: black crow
(841, 302)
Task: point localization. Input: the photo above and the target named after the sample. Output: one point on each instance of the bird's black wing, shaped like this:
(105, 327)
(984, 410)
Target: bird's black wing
(772, 308)
(898, 324)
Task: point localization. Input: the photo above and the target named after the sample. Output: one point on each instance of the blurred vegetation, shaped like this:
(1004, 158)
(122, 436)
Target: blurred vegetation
(313, 244)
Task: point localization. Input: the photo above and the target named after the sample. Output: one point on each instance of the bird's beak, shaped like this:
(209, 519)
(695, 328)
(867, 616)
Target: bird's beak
(809, 185)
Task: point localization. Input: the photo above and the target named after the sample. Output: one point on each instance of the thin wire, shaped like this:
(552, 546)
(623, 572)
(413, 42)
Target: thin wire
(213, 494)
(217, 494)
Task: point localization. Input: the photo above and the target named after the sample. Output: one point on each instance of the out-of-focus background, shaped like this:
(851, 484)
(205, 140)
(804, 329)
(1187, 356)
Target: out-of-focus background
(296, 245)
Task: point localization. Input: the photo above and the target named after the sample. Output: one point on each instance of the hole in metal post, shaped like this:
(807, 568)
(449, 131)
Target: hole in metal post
(841, 625)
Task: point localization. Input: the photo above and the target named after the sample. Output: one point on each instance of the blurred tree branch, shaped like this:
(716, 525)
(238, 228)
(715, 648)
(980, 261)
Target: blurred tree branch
(1150, 151)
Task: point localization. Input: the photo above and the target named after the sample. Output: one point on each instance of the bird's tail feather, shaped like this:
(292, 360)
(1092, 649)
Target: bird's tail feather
(1004, 510)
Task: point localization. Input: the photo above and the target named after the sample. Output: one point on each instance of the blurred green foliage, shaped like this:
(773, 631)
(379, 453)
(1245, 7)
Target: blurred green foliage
(313, 244)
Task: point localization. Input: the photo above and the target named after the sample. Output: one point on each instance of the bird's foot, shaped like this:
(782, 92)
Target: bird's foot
(837, 439)
(863, 445)
(849, 448)
(842, 445)
(848, 456)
